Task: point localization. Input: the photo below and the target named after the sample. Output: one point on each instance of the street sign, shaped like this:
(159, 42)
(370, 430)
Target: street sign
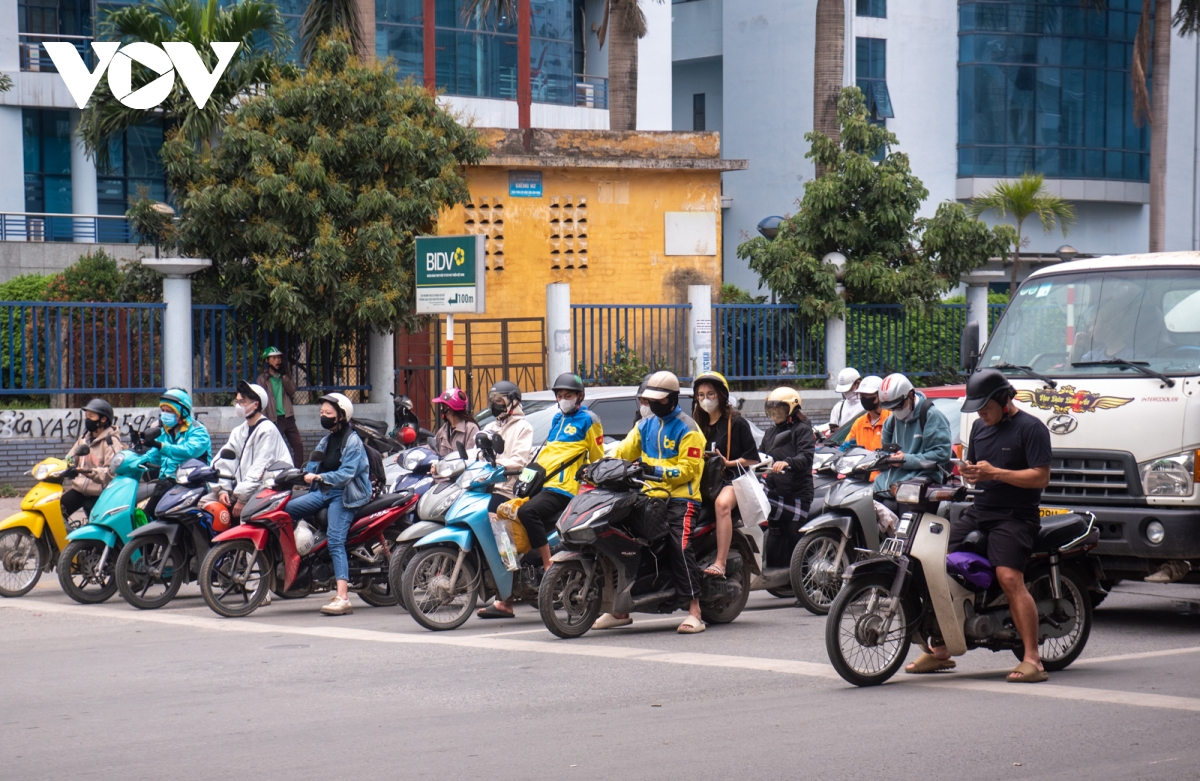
(450, 274)
(525, 184)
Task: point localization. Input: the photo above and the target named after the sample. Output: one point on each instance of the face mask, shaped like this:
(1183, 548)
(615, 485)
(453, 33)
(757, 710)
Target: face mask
(644, 410)
(662, 408)
(870, 403)
(328, 423)
(709, 405)
(903, 413)
(567, 406)
(850, 396)
(240, 411)
(168, 419)
(91, 425)
(499, 410)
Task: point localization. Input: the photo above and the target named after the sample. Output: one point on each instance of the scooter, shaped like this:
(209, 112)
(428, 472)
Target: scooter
(161, 556)
(408, 430)
(911, 591)
(616, 558)
(87, 566)
(453, 568)
(30, 540)
(268, 551)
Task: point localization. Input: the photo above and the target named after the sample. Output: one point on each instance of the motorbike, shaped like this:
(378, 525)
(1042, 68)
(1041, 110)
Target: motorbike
(267, 551)
(87, 565)
(452, 568)
(616, 559)
(909, 591)
(161, 556)
(421, 477)
(408, 430)
(31, 539)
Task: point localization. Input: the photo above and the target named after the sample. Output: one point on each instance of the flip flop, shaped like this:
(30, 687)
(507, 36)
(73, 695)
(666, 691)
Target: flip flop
(1029, 674)
(491, 611)
(714, 570)
(928, 663)
(691, 626)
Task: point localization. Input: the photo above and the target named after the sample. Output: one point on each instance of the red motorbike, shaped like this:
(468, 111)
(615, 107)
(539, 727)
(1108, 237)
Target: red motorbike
(268, 552)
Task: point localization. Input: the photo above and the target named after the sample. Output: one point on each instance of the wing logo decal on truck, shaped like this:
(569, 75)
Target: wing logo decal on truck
(1067, 399)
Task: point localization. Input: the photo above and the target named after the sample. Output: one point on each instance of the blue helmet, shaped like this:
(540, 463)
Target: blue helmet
(180, 399)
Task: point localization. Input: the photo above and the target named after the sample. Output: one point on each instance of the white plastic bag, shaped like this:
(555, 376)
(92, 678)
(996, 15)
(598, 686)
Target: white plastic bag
(504, 542)
(751, 499)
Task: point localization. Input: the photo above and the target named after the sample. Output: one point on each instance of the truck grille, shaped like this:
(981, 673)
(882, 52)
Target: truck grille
(1092, 475)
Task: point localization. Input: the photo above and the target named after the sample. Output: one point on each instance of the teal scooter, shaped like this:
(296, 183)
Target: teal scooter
(87, 567)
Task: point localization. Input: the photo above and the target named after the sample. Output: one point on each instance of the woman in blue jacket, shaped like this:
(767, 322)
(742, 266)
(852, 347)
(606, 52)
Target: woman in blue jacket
(182, 439)
(340, 481)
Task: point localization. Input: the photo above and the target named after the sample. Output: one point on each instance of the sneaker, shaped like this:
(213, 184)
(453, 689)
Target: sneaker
(338, 607)
(609, 621)
(267, 601)
(1170, 572)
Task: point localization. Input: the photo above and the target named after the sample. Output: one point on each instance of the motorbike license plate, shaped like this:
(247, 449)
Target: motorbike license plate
(1048, 511)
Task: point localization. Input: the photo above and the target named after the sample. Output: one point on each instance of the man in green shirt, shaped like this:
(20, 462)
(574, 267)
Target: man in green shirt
(282, 391)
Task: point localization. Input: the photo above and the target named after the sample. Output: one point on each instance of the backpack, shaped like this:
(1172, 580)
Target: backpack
(713, 479)
(378, 473)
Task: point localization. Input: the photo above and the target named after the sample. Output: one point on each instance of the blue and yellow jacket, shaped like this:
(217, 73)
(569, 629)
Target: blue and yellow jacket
(575, 436)
(672, 448)
(190, 441)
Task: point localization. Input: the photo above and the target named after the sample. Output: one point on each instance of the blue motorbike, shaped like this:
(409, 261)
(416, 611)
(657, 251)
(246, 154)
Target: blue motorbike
(452, 568)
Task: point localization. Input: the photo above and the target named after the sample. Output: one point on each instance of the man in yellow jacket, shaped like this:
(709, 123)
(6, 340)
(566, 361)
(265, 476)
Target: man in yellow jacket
(671, 448)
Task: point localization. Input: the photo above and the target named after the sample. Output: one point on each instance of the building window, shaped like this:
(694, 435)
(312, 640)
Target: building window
(877, 8)
(399, 34)
(47, 152)
(698, 111)
(1045, 88)
(134, 171)
(54, 17)
(871, 77)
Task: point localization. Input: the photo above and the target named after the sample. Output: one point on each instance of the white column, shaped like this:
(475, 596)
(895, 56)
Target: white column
(382, 350)
(12, 183)
(977, 299)
(558, 329)
(835, 345)
(700, 329)
(177, 321)
(84, 199)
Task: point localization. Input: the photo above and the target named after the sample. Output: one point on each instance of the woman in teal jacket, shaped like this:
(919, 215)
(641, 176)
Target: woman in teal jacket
(182, 439)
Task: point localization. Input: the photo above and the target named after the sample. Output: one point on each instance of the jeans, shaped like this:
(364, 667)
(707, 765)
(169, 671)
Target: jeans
(340, 518)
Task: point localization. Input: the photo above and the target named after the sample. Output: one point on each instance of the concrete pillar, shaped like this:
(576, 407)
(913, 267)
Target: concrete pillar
(84, 199)
(699, 329)
(382, 349)
(12, 184)
(977, 299)
(558, 329)
(835, 345)
(177, 321)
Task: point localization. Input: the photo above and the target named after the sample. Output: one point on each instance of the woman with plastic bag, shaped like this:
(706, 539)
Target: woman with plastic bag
(790, 443)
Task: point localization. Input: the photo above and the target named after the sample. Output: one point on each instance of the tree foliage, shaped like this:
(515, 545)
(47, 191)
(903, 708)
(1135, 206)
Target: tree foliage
(866, 210)
(97, 276)
(309, 206)
(1025, 197)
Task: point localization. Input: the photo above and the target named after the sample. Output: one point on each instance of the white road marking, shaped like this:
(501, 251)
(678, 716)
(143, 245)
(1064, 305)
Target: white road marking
(1079, 693)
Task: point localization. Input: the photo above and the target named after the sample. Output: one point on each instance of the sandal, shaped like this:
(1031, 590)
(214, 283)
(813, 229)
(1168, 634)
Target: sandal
(1029, 673)
(491, 611)
(928, 663)
(715, 570)
(691, 626)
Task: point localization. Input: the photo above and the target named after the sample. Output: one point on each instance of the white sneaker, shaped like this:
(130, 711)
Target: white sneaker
(609, 621)
(1170, 572)
(338, 607)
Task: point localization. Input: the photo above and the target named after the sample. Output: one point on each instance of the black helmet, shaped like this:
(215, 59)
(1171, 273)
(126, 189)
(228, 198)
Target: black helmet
(507, 389)
(983, 386)
(101, 408)
(568, 382)
(642, 388)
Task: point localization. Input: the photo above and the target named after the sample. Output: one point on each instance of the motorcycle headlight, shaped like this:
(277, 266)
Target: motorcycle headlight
(182, 475)
(412, 460)
(908, 493)
(1169, 475)
(41, 472)
(846, 464)
(821, 460)
(116, 461)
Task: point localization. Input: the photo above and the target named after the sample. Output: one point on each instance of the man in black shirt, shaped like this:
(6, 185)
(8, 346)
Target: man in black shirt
(1009, 461)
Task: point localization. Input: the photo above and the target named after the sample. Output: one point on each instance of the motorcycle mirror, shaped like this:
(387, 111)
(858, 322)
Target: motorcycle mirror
(83, 450)
(227, 453)
(498, 444)
(462, 451)
(316, 455)
(968, 346)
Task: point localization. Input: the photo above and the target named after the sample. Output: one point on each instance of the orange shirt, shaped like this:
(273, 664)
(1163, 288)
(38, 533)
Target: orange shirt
(867, 435)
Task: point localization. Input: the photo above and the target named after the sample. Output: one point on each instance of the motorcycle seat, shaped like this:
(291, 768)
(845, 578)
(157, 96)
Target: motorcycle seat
(382, 503)
(954, 510)
(1057, 530)
(378, 425)
(144, 491)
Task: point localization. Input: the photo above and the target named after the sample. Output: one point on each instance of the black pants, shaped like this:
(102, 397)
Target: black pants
(160, 490)
(72, 500)
(681, 518)
(1010, 535)
(540, 514)
(291, 435)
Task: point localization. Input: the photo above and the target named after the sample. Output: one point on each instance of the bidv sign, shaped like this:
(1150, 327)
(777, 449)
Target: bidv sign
(450, 274)
(173, 57)
(445, 261)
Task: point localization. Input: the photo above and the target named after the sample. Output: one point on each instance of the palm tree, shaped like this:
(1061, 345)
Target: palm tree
(829, 54)
(323, 17)
(1024, 197)
(254, 23)
(6, 82)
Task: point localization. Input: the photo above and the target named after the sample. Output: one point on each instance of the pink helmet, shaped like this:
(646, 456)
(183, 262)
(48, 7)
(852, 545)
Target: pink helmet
(453, 398)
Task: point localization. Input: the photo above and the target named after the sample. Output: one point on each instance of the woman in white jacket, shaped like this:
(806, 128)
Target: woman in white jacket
(252, 447)
(504, 402)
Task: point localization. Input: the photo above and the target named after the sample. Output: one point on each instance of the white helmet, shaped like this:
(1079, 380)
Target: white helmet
(894, 391)
(846, 379)
(870, 385)
(340, 402)
(252, 391)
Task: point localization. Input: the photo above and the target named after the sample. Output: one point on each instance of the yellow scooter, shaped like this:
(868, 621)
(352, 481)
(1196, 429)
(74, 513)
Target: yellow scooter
(30, 540)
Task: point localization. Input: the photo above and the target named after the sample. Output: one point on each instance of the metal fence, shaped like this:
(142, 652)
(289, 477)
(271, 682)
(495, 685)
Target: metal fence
(886, 338)
(43, 226)
(766, 342)
(68, 348)
(612, 342)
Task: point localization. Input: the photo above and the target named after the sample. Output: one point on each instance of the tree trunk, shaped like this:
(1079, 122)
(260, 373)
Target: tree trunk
(622, 65)
(1160, 85)
(1016, 262)
(829, 54)
(366, 30)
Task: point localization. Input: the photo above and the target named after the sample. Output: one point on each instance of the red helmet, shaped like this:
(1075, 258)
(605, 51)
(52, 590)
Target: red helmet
(220, 515)
(453, 398)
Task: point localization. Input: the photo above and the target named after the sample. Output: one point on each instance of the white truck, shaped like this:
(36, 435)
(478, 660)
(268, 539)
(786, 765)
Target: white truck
(1106, 352)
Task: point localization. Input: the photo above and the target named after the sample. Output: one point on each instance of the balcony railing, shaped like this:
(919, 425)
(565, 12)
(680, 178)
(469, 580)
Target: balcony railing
(40, 226)
(591, 91)
(34, 56)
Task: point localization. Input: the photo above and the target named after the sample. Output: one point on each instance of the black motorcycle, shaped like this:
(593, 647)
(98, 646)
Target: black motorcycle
(616, 557)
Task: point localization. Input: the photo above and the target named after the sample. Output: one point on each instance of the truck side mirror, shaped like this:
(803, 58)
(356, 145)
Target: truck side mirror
(968, 347)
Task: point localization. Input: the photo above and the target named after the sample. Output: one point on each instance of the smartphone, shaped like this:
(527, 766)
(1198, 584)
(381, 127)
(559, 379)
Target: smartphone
(958, 462)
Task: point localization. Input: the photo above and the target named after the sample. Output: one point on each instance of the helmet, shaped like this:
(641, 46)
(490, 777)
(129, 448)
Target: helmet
(642, 388)
(894, 391)
(716, 379)
(786, 400)
(568, 382)
(178, 398)
(846, 379)
(256, 392)
(870, 384)
(453, 398)
(270, 352)
(508, 390)
(101, 408)
(220, 515)
(343, 405)
(985, 385)
(661, 385)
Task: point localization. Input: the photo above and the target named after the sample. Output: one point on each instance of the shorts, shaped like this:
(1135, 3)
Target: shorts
(1009, 539)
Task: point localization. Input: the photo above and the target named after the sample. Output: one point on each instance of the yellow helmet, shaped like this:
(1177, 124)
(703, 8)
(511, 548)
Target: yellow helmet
(714, 377)
(782, 403)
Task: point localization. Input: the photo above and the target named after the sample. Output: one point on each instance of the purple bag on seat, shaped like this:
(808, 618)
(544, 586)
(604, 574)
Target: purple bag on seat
(972, 567)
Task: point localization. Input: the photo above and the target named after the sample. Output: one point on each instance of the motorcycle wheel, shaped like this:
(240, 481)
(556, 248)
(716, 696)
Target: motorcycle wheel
(235, 578)
(566, 610)
(150, 572)
(816, 577)
(727, 610)
(402, 554)
(1058, 652)
(21, 561)
(379, 594)
(782, 593)
(852, 640)
(426, 589)
(78, 575)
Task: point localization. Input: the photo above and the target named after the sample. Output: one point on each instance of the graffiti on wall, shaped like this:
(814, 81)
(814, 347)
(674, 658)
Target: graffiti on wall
(65, 424)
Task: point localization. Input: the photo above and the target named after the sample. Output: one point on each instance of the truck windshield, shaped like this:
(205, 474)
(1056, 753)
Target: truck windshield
(1097, 323)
